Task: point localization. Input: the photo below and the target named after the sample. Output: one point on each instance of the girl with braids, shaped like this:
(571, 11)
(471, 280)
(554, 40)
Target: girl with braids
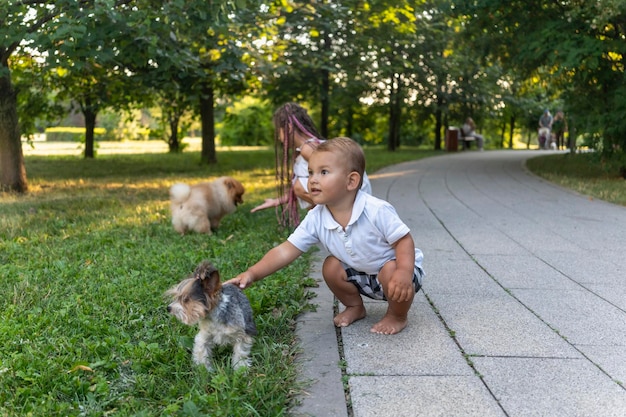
(296, 137)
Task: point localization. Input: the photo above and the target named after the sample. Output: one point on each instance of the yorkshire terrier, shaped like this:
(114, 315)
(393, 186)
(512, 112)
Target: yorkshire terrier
(223, 314)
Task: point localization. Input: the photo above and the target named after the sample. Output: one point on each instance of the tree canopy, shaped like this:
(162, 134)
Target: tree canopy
(417, 65)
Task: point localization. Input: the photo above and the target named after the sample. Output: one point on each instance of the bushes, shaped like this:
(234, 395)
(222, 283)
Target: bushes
(248, 123)
(73, 134)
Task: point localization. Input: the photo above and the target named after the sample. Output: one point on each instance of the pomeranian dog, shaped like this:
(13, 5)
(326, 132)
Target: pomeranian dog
(200, 207)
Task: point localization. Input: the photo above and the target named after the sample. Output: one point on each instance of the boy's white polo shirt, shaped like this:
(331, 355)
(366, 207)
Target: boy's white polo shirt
(365, 244)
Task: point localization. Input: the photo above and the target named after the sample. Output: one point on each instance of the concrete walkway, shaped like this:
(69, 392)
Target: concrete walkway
(523, 311)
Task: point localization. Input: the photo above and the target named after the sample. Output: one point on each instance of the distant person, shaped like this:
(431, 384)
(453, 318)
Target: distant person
(372, 252)
(469, 129)
(546, 119)
(296, 137)
(545, 130)
(559, 128)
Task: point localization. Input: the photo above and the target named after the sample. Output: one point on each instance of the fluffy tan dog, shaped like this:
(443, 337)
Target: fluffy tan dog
(200, 207)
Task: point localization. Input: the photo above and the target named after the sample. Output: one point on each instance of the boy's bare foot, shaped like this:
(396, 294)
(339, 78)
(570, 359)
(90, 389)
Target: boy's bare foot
(389, 325)
(349, 316)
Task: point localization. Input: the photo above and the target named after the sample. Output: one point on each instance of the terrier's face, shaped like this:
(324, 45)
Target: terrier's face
(194, 297)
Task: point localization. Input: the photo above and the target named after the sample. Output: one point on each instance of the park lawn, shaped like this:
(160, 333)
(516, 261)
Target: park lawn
(585, 173)
(85, 258)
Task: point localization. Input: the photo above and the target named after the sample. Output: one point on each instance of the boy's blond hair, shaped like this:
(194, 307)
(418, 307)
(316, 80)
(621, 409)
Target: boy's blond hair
(349, 150)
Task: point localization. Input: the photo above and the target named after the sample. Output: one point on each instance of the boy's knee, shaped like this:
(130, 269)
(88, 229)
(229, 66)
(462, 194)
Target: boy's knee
(332, 269)
(387, 271)
(331, 262)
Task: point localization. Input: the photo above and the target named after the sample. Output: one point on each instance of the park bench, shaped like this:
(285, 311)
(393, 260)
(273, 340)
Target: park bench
(454, 135)
(466, 141)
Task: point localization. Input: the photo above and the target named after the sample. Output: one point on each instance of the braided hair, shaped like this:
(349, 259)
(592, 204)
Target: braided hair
(289, 118)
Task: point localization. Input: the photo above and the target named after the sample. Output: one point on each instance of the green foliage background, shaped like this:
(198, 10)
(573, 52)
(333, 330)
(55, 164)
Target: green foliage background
(248, 122)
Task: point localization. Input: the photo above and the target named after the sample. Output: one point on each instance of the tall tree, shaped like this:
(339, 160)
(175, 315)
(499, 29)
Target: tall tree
(15, 28)
(94, 40)
(578, 47)
(215, 38)
(309, 41)
(26, 28)
(90, 57)
(388, 58)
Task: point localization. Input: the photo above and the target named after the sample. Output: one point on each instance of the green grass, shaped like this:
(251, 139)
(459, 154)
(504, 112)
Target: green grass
(584, 173)
(85, 258)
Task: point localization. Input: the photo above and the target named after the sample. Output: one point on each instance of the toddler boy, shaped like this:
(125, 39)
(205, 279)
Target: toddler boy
(371, 250)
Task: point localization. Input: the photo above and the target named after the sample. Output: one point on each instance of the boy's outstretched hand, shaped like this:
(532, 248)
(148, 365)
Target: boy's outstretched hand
(243, 280)
(278, 257)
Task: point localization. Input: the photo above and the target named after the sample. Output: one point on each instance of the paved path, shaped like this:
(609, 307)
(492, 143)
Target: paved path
(523, 311)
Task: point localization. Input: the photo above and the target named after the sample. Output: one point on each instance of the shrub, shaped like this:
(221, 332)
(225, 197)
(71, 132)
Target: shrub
(72, 134)
(247, 123)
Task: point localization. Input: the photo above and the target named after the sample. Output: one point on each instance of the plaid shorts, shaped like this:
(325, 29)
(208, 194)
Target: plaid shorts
(370, 287)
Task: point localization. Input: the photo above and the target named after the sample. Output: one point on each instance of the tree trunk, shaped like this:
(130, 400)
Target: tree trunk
(325, 93)
(391, 142)
(207, 118)
(439, 122)
(394, 116)
(172, 142)
(90, 125)
(571, 135)
(438, 126)
(325, 104)
(511, 132)
(349, 121)
(12, 167)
